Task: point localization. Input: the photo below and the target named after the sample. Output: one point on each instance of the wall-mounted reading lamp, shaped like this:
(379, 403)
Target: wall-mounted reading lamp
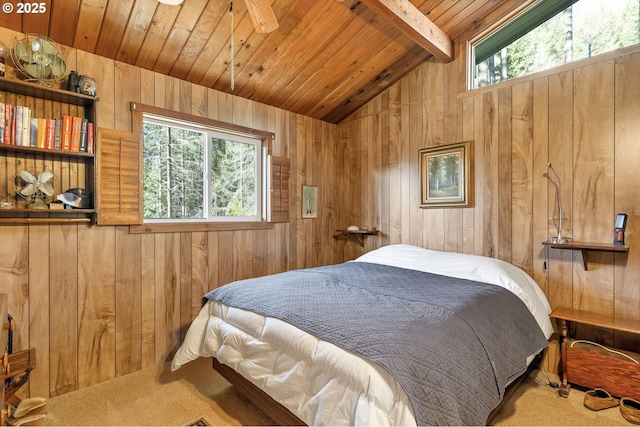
(558, 238)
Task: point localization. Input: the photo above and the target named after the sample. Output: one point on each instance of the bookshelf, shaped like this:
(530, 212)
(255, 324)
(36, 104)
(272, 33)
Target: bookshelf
(72, 169)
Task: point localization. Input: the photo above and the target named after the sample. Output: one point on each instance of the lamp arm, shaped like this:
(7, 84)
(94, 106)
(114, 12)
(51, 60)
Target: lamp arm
(560, 238)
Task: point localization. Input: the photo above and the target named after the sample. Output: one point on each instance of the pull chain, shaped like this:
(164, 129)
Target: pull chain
(232, 50)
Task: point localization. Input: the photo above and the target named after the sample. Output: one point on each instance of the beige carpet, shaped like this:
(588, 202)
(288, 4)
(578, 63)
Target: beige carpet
(158, 397)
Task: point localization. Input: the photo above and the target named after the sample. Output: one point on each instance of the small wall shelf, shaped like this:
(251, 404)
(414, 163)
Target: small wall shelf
(358, 235)
(586, 247)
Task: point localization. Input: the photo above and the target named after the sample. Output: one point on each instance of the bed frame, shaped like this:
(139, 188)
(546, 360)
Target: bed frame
(282, 416)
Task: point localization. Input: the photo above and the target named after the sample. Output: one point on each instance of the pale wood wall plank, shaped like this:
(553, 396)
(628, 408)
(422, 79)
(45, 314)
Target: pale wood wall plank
(39, 309)
(128, 300)
(505, 162)
(96, 305)
(522, 181)
(593, 197)
(63, 354)
(627, 153)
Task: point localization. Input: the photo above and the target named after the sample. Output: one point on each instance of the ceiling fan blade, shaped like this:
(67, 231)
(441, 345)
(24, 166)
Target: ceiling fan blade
(262, 16)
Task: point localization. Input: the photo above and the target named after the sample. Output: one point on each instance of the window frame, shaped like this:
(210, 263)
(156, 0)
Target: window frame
(208, 134)
(512, 17)
(139, 110)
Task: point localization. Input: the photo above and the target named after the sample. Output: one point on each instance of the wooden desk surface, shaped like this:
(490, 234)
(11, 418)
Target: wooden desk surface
(597, 319)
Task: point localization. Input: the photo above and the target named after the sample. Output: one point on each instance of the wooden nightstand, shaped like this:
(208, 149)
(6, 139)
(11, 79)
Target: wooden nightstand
(591, 366)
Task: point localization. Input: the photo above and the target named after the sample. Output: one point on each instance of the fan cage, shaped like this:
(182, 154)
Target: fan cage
(39, 58)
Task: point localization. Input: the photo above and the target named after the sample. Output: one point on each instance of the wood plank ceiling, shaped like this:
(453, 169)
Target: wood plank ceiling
(326, 59)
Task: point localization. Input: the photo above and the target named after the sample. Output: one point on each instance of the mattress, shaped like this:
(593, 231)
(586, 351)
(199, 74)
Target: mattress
(319, 382)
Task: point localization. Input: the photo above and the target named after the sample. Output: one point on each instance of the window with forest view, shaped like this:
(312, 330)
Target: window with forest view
(550, 34)
(193, 173)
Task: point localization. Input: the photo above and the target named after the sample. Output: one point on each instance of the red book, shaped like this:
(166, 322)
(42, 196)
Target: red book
(66, 133)
(8, 116)
(89, 137)
(50, 135)
(76, 130)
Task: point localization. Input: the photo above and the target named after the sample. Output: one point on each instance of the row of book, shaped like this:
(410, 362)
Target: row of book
(67, 133)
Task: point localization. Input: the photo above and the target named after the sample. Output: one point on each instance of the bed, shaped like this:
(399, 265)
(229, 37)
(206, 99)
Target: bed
(400, 336)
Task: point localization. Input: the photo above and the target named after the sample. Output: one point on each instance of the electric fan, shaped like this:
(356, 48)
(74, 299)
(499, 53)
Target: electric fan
(35, 190)
(39, 58)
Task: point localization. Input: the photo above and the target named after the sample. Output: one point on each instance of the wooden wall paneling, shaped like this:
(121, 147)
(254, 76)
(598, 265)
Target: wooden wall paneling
(326, 162)
(15, 267)
(503, 165)
(104, 71)
(242, 254)
(128, 301)
(394, 228)
(225, 257)
(453, 124)
(627, 153)
(343, 194)
(367, 152)
(384, 171)
(300, 177)
(278, 238)
(307, 174)
(186, 103)
(490, 158)
(186, 283)
(415, 111)
(147, 90)
(148, 300)
(467, 118)
(292, 145)
(479, 174)
(261, 254)
(405, 205)
(540, 208)
(63, 303)
(540, 199)
(432, 136)
(225, 107)
(522, 181)
(260, 114)
(212, 104)
(146, 95)
(39, 310)
(242, 112)
(561, 143)
(126, 90)
(167, 287)
(96, 305)
(199, 270)
(173, 94)
(593, 182)
(357, 186)
(213, 262)
(319, 230)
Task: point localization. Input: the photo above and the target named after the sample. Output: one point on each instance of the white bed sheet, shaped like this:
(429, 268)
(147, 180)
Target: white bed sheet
(319, 382)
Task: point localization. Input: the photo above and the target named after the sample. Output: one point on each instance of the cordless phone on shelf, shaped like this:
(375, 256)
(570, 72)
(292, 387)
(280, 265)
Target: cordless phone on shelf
(621, 224)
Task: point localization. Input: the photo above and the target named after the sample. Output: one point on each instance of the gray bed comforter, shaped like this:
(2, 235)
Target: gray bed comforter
(452, 344)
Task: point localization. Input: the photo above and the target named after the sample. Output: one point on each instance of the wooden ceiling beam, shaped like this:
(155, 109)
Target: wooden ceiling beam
(412, 22)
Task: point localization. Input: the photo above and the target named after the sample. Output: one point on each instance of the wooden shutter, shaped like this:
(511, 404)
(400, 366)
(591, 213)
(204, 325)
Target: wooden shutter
(119, 177)
(279, 192)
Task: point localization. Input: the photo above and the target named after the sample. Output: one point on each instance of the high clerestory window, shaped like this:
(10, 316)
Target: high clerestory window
(552, 33)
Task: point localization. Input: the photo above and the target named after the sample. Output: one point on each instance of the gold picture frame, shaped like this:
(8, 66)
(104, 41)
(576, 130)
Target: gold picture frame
(446, 176)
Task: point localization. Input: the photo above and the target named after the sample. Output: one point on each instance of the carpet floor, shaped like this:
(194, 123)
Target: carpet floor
(197, 395)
